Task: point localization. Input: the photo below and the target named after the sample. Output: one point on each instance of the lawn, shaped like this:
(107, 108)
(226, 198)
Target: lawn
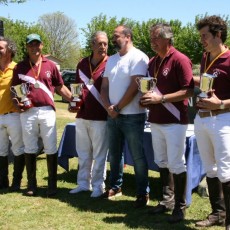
(79, 211)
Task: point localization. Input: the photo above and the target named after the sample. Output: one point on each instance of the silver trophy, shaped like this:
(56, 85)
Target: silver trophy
(76, 90)
(206, 83)
(22, 91)
(146, 84)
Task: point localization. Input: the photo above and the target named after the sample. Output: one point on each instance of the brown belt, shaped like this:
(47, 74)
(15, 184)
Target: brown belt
(211, 113)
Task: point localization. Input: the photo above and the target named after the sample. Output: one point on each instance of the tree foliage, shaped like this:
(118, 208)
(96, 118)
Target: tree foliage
(11, 1)
(186, 38)
(17, 31)
(61, 31)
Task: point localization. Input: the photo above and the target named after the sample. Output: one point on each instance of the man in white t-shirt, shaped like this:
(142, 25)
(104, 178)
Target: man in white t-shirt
(126, 118)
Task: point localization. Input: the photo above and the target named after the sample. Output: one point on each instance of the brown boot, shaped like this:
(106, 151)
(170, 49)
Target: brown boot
(19, 165)
(217, 216)
(4, 180)
(178, 213)
(52, 174)
(168, 201)
(226, 191)
(30, 160)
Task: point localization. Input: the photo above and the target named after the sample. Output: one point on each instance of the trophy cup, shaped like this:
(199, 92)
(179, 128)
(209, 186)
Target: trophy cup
(22, 91)
(146, 84)
(76, 90)
(206, 83)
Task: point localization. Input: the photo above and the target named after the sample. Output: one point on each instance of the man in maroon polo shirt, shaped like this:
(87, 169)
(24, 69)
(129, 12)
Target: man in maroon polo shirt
(212, 122)
(168, 116)
(91, 137)
(38, 116)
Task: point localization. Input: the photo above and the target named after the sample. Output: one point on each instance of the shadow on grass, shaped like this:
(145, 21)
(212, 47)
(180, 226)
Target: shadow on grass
(131, 217)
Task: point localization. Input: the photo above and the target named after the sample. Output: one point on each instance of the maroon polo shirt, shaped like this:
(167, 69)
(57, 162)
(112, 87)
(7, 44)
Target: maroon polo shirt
(221, 69)
(174, 74)
(49, 75)
(91, 108)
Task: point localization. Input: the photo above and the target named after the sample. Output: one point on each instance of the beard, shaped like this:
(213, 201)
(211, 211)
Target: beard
(116, 46)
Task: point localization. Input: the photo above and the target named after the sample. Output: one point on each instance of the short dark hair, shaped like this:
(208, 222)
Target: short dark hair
(11, 46)
(216, 24)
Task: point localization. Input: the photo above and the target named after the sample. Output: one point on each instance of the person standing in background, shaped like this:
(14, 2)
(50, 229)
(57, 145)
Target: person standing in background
(10, 125)
(126, 119)
(212, 122)
(168, 117)
(42, 78)
(91, 136)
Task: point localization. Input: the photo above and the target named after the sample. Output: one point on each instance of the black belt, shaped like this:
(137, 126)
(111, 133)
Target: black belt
(211, 113)
(7, 113)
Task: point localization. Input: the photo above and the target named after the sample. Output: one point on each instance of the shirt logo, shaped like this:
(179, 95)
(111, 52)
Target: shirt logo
(165, 72)
(48, 74)
(216, 72)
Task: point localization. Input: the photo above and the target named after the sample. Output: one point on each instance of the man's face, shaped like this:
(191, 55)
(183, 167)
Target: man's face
(157, 42)
(34, 48)
(119, 40)
(100, 45)
(4, 52)
(207, 40)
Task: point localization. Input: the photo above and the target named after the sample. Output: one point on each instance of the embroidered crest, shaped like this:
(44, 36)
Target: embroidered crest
(216, 72)
(48, 74)
(165, 72)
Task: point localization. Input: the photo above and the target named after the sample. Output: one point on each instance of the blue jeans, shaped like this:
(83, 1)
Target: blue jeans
(129, 128)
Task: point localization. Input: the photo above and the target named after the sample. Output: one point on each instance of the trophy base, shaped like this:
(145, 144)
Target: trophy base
(27, 104)
(75, 106)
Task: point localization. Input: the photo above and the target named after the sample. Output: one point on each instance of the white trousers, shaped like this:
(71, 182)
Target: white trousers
(169, 142)
(213, 140)
(39, 121)
(92, 149)
(10, 126)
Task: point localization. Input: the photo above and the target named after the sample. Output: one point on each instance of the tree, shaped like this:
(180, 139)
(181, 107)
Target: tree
(17, 31)
(63, 38)
(11, 1)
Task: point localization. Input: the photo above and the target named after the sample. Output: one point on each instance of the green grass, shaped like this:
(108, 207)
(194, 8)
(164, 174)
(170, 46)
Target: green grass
(79, 211)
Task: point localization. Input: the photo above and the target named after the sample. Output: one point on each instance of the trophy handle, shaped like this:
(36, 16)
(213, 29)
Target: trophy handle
(138, 82)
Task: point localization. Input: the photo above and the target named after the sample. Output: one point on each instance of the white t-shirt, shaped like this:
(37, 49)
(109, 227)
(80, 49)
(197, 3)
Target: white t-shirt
(119, 71)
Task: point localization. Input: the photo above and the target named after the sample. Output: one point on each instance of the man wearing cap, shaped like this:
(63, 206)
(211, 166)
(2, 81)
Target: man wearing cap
(10, 125)
(42, 78)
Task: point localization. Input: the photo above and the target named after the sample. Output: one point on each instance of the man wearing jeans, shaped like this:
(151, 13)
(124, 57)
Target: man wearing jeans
(126, 118)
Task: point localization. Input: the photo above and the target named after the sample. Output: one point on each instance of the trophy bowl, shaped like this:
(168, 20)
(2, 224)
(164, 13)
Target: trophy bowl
(22, 91)
(206, 83)
(146, 84)
(76, 90)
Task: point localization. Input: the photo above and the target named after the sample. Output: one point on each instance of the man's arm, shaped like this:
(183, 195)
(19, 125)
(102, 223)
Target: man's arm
(64, 92)
(130, 93)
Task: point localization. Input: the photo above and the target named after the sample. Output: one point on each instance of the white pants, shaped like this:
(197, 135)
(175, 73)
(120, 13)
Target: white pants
(92, 148)
(169, 146)
(10, 126)
(213, 139)
(39, 121)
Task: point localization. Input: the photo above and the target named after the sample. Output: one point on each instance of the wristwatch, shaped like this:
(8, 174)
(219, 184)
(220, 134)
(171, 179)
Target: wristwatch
(163, 99)
(222, 106)
(116, 109)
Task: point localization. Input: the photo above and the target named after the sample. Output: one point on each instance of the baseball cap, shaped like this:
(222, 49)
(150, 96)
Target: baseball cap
(33, 37)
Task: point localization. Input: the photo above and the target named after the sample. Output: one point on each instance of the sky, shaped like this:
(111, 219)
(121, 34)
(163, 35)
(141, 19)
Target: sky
(82, 11)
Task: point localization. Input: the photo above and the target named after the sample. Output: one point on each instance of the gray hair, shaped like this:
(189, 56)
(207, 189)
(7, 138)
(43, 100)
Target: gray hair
(166, 31)
(95, 34)
(11, 46)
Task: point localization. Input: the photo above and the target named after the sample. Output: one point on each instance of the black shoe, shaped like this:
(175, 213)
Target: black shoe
(160, 208)
(177, 216)
(141, 201)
